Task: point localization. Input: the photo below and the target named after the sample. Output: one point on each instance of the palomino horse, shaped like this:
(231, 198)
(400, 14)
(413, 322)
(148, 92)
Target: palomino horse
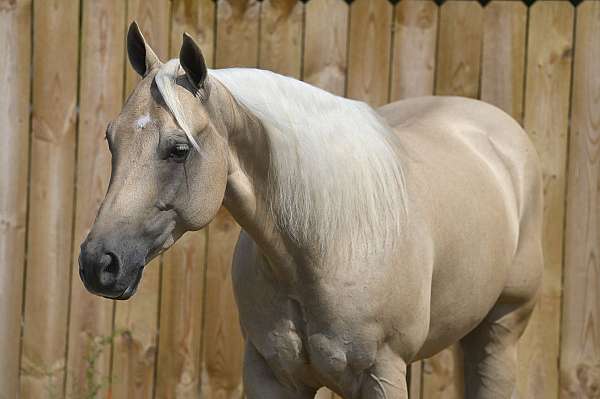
(371, 238)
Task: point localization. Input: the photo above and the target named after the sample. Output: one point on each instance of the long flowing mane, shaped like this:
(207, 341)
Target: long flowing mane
(335, 171)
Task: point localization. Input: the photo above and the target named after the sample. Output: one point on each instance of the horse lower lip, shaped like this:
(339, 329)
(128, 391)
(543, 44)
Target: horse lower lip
(127, 293)
(132, 288)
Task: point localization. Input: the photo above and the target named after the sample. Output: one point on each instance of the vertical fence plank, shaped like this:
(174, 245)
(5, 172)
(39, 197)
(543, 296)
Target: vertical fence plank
(325, 59)
(100, 93)
(457, 73)
(415, 380)
(325, 45)
(443, 375)
(55, 57)
(415, 38)
(196, 17)
(237, 33)
(369, 51)
(15, 64)
(236, 45)
(179, 367)
(549, 56)
(281, 36)
(323, 393)
(503, 58)
(153, 18)
(135, 348)
(52, 170)
(223, 351)
(580, 353)
(458, 59)
(413, 65)
(179, 355)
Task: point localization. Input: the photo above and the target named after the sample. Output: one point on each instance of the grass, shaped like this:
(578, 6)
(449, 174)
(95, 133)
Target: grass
(93, 380)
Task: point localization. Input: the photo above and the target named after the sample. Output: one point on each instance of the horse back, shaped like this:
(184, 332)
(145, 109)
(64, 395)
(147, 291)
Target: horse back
(469, 121)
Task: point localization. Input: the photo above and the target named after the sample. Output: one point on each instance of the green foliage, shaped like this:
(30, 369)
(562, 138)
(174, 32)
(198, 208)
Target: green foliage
(93, 381)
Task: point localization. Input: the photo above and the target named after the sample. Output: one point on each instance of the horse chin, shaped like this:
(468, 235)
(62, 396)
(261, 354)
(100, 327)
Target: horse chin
(131, 288)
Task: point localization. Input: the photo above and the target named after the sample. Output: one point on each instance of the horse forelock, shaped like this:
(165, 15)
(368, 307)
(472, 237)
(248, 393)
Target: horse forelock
(166, 81)
(335, 172)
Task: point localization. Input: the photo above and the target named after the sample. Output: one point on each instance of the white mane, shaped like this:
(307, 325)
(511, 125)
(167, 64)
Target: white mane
(336, 181)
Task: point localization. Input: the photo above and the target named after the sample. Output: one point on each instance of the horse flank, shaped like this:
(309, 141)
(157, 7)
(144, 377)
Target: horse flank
(335, 170)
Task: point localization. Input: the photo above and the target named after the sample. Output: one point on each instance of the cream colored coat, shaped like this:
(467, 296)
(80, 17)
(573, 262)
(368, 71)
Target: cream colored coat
(320, 309)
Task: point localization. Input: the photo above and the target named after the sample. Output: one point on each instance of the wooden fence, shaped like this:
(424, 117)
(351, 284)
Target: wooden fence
(63, 76)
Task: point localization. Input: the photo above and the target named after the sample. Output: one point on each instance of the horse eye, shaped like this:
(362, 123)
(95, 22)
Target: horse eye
(179, 152)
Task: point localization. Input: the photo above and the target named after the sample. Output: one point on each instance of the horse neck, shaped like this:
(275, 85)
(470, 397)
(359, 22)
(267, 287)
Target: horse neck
(246, 194)
(297, 196)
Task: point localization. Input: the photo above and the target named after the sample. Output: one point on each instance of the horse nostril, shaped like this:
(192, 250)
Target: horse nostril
(113, 266)
(108, 269)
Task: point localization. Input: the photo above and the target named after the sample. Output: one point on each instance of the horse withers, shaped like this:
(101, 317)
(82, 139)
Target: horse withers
(371, 238)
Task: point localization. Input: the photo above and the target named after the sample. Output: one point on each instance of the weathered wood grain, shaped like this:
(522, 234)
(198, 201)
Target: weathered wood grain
(443, 375)
(179, 368)
(457, 73)
(136, 320)
(503, 58)
(325, 45)
(413, 66)
(580, 326)
(196, 358)
(324, 393)
(549, 58)
(153, 18)
(324, 60)
(415, 380)
(223, 343)
(100, 93)
(237, 44)
(237, 33)
(179, 356)
(135, 345)
(415, 38)
(369, 51)
(55, 58)
(15, 65)
(281, 36)
(459, 48)
(196, 17)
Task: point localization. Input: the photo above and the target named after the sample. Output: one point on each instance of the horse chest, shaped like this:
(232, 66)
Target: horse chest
(296, 354)
(297, 345)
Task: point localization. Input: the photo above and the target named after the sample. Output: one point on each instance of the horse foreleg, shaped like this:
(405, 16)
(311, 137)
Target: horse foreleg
(386, 379)
(260, 383)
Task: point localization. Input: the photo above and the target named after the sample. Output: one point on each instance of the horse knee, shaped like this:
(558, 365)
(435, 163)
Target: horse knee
(261, 383)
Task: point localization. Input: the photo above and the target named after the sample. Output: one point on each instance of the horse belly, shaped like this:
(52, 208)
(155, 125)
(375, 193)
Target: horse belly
(475, 247)
(453, 319)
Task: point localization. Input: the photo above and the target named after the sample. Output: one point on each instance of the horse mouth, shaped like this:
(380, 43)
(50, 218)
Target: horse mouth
(130, 289)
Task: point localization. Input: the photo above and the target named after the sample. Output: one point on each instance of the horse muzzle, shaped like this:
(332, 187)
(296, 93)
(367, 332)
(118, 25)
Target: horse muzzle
(106, 273)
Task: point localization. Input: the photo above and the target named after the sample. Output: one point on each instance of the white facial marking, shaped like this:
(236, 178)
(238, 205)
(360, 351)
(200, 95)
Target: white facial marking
(142, 121)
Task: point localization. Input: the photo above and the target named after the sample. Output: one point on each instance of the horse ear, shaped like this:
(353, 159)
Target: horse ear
(192, 61)
(141, 56)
